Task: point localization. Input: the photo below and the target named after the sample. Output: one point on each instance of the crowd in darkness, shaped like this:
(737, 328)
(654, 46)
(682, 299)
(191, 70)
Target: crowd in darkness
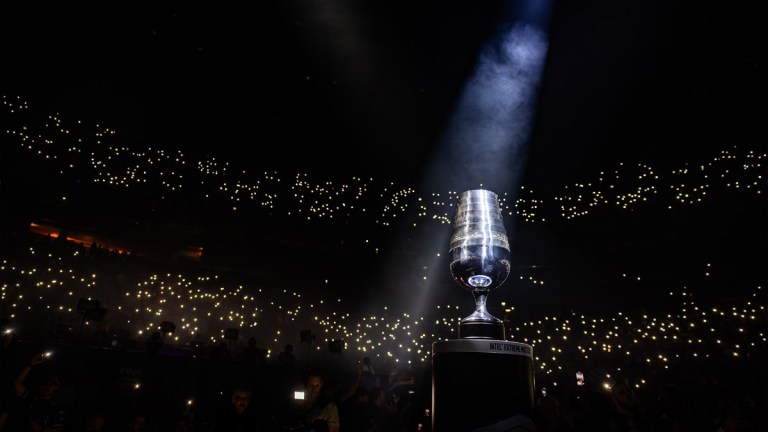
(51, 393)
(90, 384)
(64, 387)
(164, 344)
(145, 391)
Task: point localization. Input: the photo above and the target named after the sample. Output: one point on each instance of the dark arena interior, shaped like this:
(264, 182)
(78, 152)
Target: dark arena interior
(205, 211)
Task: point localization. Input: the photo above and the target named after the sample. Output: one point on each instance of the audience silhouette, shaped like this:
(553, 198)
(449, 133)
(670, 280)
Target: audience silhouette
(35, 408)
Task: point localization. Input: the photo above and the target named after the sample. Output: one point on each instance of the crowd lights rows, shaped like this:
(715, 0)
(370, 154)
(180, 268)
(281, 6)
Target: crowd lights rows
(42, 284)
(96, 154)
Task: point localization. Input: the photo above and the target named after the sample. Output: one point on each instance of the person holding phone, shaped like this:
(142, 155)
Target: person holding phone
(37, 408)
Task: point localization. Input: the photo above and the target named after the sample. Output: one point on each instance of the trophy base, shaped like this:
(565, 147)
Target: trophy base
(481, 330)
(482, 385)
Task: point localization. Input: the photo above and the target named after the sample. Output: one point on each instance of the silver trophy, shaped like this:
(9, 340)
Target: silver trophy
(480, 258)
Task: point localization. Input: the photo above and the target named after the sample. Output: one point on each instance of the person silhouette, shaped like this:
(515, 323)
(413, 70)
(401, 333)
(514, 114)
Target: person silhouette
(286, 357)
(154, 343)
(252, 355)
(35, 408)
(368, 378)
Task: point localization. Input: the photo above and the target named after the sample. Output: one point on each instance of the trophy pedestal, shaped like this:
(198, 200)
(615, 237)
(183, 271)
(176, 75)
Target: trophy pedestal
(482, 385)
(481, 330)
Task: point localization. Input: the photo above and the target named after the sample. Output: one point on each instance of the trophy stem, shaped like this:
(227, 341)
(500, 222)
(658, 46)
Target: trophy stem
(481, 324)
(481, 297)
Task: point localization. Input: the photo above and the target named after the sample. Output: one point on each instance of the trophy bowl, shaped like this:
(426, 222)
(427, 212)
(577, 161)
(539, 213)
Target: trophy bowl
(480, 258)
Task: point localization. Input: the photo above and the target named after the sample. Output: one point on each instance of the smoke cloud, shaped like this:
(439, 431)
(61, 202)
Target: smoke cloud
(487, 136)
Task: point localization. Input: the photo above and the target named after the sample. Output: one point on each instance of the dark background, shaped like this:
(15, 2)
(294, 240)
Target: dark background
(305, 85)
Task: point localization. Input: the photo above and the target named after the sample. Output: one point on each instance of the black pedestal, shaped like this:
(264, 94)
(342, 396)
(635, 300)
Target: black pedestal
(482, 385)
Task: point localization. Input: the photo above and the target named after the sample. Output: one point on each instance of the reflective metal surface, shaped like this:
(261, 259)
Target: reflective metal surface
(480, 257)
